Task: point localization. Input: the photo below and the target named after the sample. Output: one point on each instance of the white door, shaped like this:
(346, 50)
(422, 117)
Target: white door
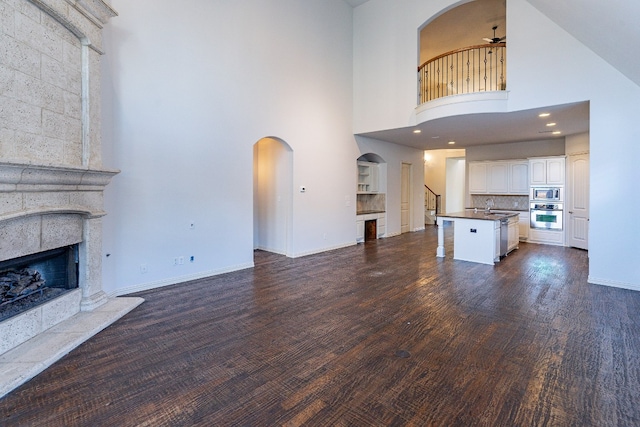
(405, 199)
(577, 206)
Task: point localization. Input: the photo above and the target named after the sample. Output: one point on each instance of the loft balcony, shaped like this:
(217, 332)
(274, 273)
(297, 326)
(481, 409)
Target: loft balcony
(468, 70)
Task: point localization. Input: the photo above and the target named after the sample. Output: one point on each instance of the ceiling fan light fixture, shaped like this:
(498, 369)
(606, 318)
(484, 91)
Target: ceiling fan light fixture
(494, 39)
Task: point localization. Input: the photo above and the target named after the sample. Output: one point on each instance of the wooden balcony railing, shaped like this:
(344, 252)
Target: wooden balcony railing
(467, 70)
(431, 200)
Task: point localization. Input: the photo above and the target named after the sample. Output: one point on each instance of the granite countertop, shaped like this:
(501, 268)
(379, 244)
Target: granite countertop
(501, 209)
(491, 216)
(368, 212)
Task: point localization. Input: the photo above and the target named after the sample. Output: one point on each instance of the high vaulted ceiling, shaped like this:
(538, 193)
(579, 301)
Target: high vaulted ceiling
(608, 28)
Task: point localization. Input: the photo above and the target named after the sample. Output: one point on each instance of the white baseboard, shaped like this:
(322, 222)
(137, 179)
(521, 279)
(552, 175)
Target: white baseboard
(273, 251)
(180, 279)
(317, 251)
(613, 283)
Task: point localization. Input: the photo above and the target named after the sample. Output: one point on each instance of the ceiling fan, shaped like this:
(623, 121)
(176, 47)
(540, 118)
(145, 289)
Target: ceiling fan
(495, 39)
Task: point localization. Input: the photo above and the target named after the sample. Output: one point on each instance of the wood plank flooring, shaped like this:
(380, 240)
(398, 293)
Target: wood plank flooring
(323, 340)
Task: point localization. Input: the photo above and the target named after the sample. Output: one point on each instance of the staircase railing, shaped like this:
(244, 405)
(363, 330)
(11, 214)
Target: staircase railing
(471, 69)
(431, 200)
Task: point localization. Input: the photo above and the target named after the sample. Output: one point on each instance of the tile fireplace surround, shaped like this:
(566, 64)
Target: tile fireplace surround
(51, 174)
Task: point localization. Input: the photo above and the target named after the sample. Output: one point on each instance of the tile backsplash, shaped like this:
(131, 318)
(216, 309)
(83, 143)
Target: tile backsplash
(371, 202)
(500, 202)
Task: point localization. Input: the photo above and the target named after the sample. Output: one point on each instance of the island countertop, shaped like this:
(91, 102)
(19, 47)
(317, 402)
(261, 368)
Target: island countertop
(491, 216)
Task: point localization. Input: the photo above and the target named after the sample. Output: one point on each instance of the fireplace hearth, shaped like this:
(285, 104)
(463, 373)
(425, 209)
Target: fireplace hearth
(52, 183)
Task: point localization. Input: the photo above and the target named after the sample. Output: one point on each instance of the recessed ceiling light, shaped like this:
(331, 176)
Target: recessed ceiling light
(451, 142)
(435, 137)
(551, 124)
(544, 114)
(417, 131)
(556, 132)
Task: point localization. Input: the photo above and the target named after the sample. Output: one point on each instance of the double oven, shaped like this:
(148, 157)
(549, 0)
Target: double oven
(546, 207)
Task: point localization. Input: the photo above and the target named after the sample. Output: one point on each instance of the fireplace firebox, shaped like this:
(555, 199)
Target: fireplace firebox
(31, 280)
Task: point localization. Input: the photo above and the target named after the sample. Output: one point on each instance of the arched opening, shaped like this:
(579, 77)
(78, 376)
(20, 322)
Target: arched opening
(371, 197)
(272, 195)
(463, 50)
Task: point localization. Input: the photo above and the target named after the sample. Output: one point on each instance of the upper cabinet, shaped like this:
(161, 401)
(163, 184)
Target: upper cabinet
(477, 177)
(547, 171)
(519, 177)
(368, 177)
(499, 177)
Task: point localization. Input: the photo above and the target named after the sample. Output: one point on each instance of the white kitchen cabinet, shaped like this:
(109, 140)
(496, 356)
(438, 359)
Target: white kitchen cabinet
(381, 225)
(519, 177)
(477, 177)
(359, 230)
(497, 177)
(546, 171)
(523, 225)
(555, 171)
(368, 177)
(512, 234)
(548, 237)
(496, 240)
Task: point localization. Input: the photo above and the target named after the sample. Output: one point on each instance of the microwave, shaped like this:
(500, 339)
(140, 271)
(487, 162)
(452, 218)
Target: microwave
(547, 194)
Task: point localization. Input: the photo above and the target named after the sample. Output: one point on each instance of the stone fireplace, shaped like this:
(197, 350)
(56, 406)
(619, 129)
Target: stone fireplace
(51, 173)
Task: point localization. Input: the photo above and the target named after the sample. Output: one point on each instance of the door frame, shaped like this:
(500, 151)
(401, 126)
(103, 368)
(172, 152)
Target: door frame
(409, 186)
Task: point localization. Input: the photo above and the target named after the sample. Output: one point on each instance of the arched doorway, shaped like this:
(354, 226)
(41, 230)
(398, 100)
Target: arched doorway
(272, 195)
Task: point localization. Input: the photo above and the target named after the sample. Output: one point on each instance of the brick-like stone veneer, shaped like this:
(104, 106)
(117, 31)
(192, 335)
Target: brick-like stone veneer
(51, 173)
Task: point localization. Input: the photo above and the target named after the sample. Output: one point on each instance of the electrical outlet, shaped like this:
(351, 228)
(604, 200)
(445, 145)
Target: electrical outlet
(192, 225)
(175, 261)
(192, 258)
(181, 260)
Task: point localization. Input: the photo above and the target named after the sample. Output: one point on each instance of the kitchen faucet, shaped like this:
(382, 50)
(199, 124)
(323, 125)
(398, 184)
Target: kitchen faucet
(489, 205)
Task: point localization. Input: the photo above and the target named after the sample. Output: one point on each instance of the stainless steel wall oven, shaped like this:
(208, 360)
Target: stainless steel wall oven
(546, 215)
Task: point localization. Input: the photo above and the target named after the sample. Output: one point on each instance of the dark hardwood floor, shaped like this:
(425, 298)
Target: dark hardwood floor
(379, 334)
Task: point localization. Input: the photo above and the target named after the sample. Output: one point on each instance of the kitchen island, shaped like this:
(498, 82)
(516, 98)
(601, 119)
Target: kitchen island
(476, 235)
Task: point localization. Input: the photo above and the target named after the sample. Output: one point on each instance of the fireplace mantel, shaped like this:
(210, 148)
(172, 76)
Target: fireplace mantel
(52, 179)
(29, 177)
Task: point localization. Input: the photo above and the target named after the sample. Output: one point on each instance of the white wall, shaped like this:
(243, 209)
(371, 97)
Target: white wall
(577, 144)
(546, 66)
(517, 150)
(456, 184)
(189, 88)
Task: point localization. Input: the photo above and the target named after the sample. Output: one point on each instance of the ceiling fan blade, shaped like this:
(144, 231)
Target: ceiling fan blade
(487, 40)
